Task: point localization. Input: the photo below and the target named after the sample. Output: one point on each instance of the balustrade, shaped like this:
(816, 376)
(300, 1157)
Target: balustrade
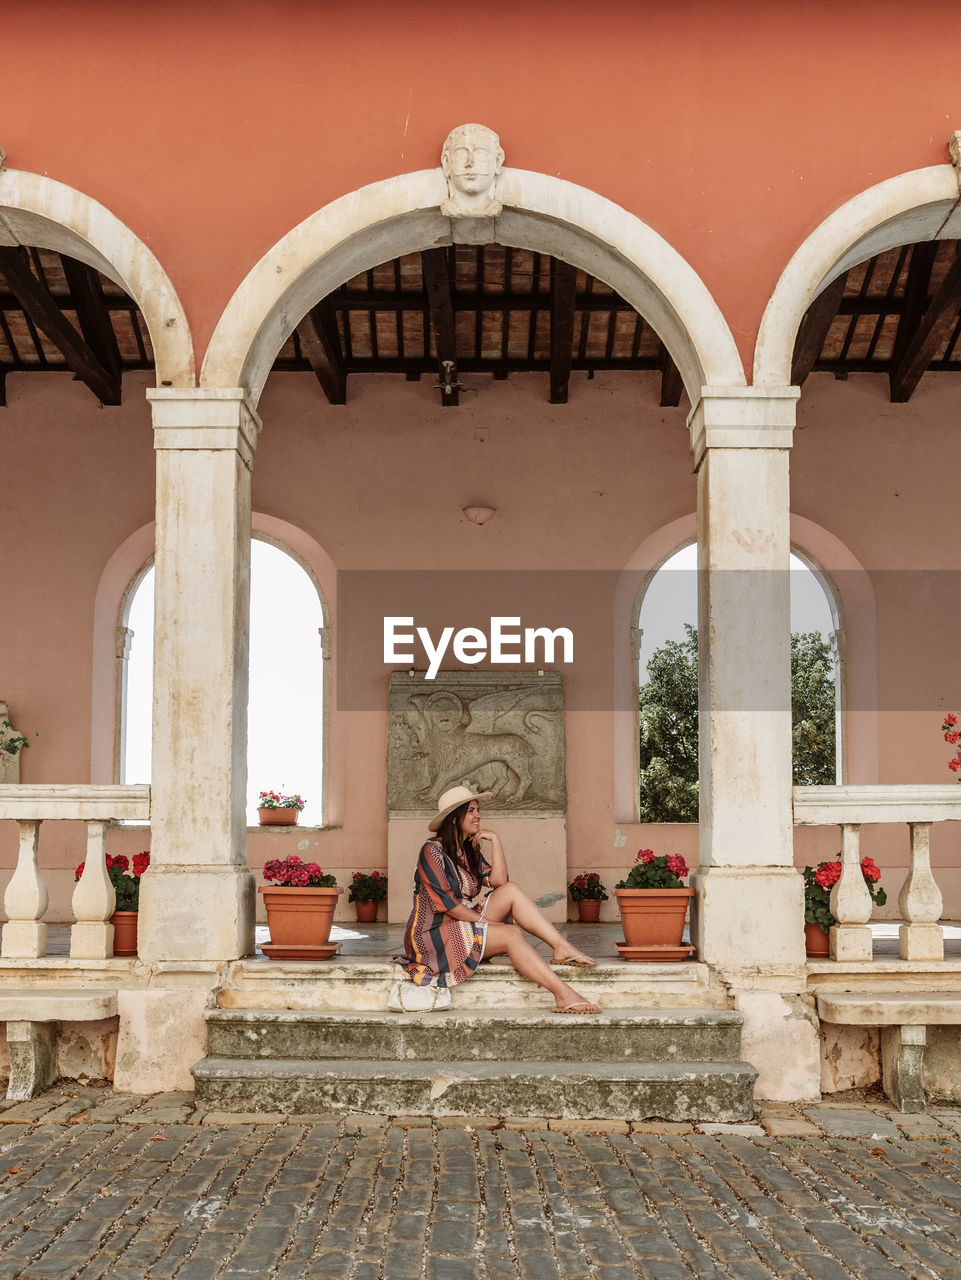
(25, 900)
(920, 936)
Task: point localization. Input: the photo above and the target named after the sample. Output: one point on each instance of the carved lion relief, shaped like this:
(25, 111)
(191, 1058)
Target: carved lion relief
(491, 732)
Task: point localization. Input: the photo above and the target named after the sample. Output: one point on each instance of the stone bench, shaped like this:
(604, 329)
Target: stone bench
(31, 1015)
(903, 1017)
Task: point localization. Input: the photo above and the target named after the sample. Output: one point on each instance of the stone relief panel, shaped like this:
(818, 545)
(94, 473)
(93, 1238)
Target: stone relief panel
(488, 730)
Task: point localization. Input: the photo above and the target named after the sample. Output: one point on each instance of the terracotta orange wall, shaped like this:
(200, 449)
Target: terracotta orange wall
(380, 483)
(732, 128)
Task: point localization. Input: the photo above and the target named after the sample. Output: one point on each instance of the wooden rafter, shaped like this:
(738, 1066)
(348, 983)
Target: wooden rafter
(814, 329)
(440, 301)
(672, 384)
(320, 344)
(935, 325)
(41, 309)
(914, 303)
(563, 293)
(93, 317)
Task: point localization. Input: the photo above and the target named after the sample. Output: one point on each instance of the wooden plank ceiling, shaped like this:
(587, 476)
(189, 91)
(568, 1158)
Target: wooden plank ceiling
(491, 310)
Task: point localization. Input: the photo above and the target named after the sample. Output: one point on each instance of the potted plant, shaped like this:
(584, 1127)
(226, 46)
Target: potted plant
(952, 736)
(365, 893)
(300, 900)
(588, 892)
(818, 918)
(126, 886)
(277, 810)
(11, 745)
(653, 904)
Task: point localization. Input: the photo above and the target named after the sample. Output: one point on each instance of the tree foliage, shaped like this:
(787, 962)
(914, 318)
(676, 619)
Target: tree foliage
(668, 724)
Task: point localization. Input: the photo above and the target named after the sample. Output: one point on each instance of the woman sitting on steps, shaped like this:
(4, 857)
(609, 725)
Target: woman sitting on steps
(461, 902)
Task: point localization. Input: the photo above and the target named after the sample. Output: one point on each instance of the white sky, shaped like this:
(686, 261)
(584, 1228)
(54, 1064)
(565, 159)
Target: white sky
(285, 711)
(671, 600)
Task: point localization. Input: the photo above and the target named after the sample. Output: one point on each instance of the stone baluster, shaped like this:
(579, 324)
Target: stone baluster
(851, 902)
(25, 901)
(921, 937)
(94, 900)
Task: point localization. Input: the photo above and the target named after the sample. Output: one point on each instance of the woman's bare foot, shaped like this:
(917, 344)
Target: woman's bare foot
(566, 954)
(567, 1000)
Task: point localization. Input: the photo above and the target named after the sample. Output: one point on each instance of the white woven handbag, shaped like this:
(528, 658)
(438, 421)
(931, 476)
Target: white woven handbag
(407, 997)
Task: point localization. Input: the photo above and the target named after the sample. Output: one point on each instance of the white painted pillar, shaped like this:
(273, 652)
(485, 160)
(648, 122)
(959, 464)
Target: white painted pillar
(197, 896)
(749, 905)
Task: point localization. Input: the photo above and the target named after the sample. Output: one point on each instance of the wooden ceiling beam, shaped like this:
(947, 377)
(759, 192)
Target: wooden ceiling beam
(320, 343)
(41, 308)
(563, 296)
(935, 326)
(86, 293)
(470, 300)
(440, 300)
(915, 302)
(672, 384)
(814, 329)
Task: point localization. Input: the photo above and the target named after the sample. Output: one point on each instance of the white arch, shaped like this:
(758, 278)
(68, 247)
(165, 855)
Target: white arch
(920, 205)
(402, 215)
(35, 210)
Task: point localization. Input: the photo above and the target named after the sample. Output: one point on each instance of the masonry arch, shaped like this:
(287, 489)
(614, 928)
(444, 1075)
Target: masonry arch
(849, 594)
(125, 572)
(38, 211)
(402, 215)
(916, 206)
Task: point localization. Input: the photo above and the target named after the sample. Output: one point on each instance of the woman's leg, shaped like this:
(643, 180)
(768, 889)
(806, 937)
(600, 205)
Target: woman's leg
(509, 900)
(507, 939)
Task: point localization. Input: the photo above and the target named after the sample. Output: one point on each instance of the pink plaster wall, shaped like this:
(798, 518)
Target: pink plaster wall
(381, 482)
(733, 129)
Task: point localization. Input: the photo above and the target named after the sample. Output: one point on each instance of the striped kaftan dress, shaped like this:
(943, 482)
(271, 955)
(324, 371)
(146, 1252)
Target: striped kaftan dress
(440, 950)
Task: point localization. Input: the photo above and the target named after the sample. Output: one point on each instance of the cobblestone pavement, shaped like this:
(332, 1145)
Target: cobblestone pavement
(94, 1185)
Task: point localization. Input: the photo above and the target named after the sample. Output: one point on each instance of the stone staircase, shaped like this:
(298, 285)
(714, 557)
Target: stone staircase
(296, 1051)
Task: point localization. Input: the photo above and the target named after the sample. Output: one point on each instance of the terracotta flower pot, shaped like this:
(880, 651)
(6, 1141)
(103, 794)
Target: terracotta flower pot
(817, 941)
(299, 921)
(124, 932)
(366, 912)
(278, 817)
(589, 910)
(653, 921)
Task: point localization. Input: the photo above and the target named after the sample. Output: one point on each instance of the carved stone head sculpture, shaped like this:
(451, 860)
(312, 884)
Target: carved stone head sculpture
(471, 160)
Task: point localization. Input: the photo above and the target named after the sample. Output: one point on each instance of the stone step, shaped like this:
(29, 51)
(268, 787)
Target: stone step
(718, 1091)
(363, 984)
(616, 1035)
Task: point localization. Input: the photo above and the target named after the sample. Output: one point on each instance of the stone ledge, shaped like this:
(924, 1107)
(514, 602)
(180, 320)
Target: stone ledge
(56, 1005)
(890, 1008)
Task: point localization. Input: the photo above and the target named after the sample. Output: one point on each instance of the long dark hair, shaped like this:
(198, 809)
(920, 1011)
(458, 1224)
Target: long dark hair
(460, 851)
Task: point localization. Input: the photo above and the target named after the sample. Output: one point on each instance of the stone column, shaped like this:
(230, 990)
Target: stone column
(749, 901)
(198, 894)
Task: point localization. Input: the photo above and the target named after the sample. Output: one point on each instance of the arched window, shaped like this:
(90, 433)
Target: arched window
(285, 715)
(666, 644)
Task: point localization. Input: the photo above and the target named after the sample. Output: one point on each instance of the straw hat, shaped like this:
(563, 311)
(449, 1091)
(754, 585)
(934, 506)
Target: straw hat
(453, 799)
